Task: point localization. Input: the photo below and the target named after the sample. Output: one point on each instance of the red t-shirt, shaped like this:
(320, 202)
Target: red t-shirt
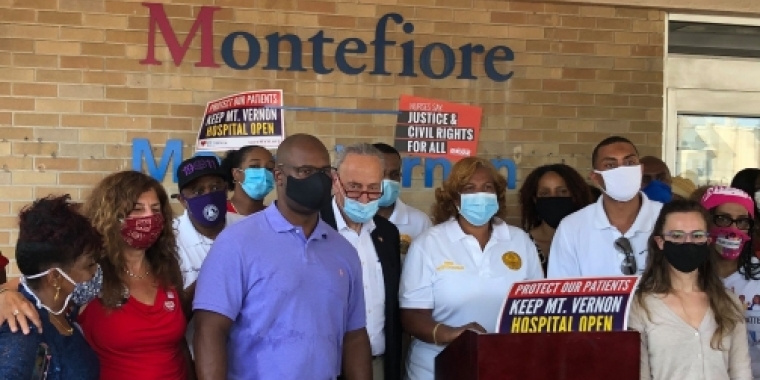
(231, 207)
(3, 261)
(138, 341)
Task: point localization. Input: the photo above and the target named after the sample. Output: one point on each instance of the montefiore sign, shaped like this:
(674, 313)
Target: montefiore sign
(456, 61)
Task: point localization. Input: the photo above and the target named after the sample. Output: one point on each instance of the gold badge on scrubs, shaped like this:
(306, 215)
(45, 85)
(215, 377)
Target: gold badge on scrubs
(405, 242)
(512, 260)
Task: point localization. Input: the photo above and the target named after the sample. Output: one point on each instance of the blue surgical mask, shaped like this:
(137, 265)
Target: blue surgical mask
(658, 191)
(390, 193)
(478, 208)
(258, 182)
(360, 212)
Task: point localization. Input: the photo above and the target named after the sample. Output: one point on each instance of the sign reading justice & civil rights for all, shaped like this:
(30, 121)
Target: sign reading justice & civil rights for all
(568, 305)
(243, 119)
(437, 129)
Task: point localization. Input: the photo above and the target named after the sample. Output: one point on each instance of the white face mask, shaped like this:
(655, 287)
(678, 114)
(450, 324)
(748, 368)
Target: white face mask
(622, 183)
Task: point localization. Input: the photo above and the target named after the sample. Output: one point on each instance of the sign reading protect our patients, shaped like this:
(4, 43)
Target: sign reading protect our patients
(242, 119)
(437, 129)
(588, 304)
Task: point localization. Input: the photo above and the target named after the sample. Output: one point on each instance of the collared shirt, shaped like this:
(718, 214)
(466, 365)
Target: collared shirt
(372, 277)
(448, 272)
(584, 244)
(193, 247)
(410, 222)
(291, 298)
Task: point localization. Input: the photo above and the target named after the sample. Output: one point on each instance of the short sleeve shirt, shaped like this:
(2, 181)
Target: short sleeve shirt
(584, 244)
(193, 247)
(748, 292)
(447, 271)
(410, 222)
(291, 298)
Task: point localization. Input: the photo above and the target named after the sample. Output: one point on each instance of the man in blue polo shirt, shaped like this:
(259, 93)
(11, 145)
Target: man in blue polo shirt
(280, 295)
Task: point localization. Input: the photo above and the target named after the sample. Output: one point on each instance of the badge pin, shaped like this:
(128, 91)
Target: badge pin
(169, 305)
(512, 260)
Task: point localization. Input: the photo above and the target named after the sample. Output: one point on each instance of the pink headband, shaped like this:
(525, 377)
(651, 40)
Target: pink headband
(718, 195)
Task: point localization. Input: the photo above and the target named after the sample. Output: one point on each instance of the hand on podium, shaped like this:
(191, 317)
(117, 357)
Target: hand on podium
(452, 333)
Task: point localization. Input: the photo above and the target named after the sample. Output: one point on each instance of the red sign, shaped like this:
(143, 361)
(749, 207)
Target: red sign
(437, 129)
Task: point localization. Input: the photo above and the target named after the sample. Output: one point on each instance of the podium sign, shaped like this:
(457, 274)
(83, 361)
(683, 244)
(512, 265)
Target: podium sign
(552, 356)
(589, 304)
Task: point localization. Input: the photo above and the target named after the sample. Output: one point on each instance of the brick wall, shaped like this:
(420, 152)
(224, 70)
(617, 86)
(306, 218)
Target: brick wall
(73, 94)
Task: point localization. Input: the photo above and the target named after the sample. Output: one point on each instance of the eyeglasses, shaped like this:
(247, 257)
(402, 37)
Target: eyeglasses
(742, 222)
(308, 170)
(628, 266)
(697, 237)
(356, 194)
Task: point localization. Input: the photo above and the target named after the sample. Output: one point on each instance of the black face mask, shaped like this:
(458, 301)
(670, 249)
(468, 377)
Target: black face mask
(686, 257)
(553, 209)
(312, 192)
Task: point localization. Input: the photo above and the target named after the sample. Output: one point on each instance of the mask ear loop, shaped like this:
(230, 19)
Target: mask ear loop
(38, 302)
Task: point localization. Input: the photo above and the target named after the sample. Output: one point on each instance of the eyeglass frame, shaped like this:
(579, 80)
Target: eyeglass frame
(361, 192)
(690, 235)
(629, 262)
(734, 222)
(327, 170)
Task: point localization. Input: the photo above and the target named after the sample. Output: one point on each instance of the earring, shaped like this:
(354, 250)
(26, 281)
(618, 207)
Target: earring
(57, 292)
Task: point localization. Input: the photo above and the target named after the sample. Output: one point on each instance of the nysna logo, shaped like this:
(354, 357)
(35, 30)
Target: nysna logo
(495, 62)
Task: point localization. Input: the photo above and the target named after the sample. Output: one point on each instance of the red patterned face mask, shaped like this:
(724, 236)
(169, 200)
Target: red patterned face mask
(141, 232)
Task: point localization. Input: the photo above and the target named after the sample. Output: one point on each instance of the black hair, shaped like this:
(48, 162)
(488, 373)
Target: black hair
(609, 141)
(386, 149)
(576, 185)
(53, 234)
(745, 181)
(233, 159)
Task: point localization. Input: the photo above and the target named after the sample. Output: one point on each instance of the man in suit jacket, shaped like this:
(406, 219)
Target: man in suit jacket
(357, 186)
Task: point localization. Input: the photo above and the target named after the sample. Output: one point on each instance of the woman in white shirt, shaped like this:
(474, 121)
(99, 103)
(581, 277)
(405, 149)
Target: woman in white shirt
(457, 274)
(691, 327)
(732, 213)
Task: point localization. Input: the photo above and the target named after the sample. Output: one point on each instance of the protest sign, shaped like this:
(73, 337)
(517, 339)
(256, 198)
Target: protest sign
(568, 305)
(437, 129)
(242, 119)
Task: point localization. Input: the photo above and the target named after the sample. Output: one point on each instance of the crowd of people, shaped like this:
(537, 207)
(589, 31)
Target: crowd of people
(338, 278)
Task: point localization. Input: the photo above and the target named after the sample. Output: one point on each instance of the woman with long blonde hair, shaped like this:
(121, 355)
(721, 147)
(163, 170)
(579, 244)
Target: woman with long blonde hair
(691, 327)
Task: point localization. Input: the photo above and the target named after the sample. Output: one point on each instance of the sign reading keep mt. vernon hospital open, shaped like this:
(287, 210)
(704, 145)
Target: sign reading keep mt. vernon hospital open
(568, 305)
(243, 119)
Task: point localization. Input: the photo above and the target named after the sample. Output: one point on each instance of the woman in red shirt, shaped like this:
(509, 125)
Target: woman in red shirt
(137, 325)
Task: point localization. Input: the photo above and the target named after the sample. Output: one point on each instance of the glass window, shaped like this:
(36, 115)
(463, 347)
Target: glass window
(711, 149)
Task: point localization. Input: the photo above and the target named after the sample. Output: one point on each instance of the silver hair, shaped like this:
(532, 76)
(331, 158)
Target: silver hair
(362, 149)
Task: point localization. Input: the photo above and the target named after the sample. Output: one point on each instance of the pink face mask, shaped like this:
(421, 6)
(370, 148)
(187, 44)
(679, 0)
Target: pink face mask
(729, 241)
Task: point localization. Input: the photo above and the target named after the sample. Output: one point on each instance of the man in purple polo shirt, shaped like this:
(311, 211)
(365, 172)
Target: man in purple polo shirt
(280, 295)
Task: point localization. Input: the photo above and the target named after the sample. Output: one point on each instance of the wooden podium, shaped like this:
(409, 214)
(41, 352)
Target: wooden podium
(549, 356)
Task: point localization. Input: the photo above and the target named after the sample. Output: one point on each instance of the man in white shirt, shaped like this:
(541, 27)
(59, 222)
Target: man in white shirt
(203, 194)
(410, 221)
(609, 237)
(357, 186)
